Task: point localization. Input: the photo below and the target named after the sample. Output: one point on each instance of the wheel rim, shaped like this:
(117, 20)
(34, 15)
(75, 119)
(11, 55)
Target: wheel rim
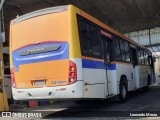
(123, 91)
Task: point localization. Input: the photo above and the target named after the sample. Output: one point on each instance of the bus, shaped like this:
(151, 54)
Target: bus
(64, 53)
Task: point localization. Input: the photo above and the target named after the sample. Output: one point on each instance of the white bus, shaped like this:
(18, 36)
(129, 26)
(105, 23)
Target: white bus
(63, 52)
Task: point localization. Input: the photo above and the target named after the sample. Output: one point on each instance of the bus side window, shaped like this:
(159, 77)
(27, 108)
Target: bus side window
(122, 50)
(117, 50)
(89, 40)
(127, 52)
(146, 59)
(150, 60)
(142, 58)
(139, 57)
(107, 49)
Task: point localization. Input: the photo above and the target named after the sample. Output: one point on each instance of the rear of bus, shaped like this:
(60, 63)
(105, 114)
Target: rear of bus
(42, 57)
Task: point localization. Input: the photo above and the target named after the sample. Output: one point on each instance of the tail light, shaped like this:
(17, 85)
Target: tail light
(13, 78)
(72, 72)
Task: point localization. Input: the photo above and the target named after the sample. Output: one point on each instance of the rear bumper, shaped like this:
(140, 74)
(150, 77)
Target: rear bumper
(70, 91)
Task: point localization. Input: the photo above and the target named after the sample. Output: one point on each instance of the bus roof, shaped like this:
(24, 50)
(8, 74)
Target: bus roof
(65, 8)
(91, 18)
(40, 12)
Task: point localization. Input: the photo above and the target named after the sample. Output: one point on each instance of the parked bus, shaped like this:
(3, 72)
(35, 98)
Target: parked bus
(63, 52)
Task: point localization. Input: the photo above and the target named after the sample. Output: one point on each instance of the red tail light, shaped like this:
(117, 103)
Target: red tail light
(12, 78)
(72, 72)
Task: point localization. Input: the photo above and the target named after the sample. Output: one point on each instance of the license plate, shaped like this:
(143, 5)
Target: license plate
(39, 83)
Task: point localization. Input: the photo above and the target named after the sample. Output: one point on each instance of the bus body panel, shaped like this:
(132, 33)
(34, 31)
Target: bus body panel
(39, 66)
(127, 70)
(74, 90)
(42, 71)
(136, 77)
(52, 66)
(95, 78)
(94, 91)
(70, 91)
(29, 55)
(112, 81)
(74, 40)
(78, 62)
(99, 78)
(50, 27)
(144, 71)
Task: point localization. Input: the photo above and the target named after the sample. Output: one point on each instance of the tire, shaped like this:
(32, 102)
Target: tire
(123, 92)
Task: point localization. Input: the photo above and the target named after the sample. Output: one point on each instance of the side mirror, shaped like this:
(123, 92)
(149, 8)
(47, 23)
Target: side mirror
(158, 75)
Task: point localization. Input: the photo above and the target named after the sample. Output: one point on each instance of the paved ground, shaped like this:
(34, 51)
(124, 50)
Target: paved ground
(140, 102)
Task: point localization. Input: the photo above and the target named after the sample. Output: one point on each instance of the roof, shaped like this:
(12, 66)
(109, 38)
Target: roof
(122, 15)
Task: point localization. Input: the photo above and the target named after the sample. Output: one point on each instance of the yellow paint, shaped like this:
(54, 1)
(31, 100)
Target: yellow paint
(74, 40)
(3, 97)
(10, 46)
(74, 46)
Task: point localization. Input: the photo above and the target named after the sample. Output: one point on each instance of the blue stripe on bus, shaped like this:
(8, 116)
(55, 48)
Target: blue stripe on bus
(60, 54)
(97, 65)
(111, 67)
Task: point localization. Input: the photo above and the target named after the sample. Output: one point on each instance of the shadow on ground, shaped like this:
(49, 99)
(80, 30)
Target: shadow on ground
(137, 101)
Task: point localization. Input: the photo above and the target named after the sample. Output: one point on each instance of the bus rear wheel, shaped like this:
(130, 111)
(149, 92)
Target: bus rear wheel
(123, 92)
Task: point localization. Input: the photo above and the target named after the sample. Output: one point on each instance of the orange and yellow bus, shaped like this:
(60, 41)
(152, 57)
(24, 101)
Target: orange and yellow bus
(63, 52)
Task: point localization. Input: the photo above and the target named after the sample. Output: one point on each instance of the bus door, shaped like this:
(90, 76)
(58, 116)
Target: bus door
(107, 59)
(134, 63)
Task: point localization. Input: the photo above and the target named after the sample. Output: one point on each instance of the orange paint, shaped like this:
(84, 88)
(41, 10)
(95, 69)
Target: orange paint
(118, 62)
(49, 71)
(96, 59)
(41, 28)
